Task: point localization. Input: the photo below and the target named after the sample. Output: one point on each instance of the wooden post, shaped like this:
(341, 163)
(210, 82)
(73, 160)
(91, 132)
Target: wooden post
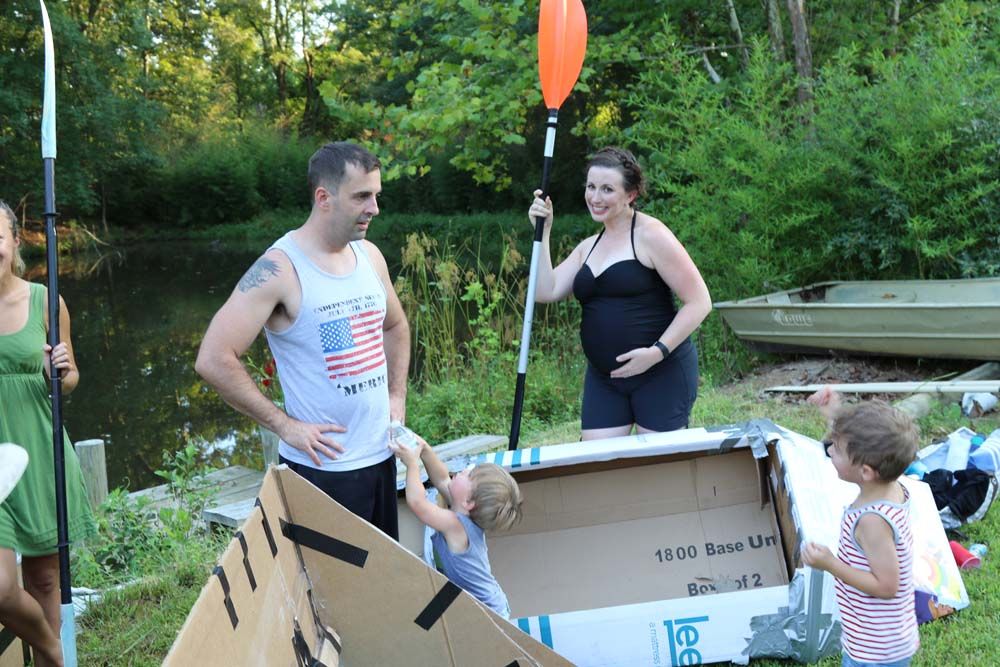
(95, 470)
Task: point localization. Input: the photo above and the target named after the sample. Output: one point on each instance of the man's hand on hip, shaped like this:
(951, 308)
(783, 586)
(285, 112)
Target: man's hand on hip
(313, 439)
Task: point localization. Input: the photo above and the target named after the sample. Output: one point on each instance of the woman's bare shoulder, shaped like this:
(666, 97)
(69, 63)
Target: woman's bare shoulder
(649, 229)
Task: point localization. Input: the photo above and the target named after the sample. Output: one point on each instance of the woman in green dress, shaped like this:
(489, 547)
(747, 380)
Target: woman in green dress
(28, 515)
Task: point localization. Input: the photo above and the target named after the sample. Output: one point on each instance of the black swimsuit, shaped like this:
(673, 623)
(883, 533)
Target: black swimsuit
(626, 307)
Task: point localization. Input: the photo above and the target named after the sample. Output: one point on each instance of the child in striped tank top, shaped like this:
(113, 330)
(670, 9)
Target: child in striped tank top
(871, 444)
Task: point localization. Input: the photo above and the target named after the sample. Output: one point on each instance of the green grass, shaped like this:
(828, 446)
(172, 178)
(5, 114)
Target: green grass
(135, 626)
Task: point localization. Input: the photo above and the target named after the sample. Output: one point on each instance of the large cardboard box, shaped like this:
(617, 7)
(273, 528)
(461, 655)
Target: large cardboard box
(683, 548)
(664, 549)
(307, 583)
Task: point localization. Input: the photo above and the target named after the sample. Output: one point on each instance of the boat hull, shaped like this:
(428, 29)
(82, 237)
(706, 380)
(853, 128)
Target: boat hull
(946, 319)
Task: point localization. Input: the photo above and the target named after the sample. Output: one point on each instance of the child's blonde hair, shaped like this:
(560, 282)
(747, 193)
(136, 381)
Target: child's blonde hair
(18, 266)
(496, 496)
(877, 435)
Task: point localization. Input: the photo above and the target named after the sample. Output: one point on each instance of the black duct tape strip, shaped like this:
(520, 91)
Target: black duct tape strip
(7, 638)
(267, 529)
(331, 546)
(333, 640)
(728, 444)
(303, 656)
(246, 560)
(514, 664)
(221, 574)
(438, 606)
(320, 627)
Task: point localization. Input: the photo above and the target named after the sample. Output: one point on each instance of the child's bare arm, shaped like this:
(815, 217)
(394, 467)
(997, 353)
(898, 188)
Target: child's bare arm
(437, 471)
(875, 538)
(827, 400)
(438, 518)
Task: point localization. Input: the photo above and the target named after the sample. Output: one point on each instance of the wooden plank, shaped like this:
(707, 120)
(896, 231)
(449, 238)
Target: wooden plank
(231, 514)
(228, 483)
(470, 444)
(990, 386)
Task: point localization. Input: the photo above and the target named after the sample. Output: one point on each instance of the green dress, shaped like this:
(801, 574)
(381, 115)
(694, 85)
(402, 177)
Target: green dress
(28, 516)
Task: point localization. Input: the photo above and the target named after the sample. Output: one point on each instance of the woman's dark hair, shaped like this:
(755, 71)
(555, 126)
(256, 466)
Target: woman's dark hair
(613, 157)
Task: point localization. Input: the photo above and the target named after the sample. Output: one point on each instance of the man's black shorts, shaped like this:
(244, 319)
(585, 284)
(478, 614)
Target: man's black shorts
(368, 492)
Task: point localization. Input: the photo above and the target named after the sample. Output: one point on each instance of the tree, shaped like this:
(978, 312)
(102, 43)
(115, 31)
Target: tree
(803, 52)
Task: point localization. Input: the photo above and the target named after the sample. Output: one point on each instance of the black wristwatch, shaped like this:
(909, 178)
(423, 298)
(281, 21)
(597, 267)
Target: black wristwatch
(662, 348)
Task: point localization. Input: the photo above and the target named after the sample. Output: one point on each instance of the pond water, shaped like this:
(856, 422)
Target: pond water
(138, 315)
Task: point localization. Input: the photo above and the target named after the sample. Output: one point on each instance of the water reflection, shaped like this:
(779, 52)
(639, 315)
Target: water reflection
(138, 316)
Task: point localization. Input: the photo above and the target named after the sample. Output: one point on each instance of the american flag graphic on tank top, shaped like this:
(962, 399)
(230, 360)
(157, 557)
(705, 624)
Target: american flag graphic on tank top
(352, 344)
(877, 630)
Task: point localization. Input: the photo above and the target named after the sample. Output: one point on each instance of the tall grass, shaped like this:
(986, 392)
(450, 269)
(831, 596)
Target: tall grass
(465, 312)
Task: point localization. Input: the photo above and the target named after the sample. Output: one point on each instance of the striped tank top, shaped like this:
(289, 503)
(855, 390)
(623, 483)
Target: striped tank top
(877, 630)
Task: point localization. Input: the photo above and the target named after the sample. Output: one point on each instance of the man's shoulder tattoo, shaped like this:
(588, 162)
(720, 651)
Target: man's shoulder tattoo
(258, 274)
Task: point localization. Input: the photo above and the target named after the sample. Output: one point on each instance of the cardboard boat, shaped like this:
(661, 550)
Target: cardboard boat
(661, 549)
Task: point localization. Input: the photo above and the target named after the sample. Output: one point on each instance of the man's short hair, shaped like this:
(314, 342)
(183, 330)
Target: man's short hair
(328, 165)
(877, 435)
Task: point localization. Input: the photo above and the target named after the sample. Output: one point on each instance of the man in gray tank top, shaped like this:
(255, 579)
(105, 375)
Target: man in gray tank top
(323, 296)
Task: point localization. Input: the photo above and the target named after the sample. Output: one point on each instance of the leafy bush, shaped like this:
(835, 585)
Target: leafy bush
(281, 165)
(230, 178)
(892, 172)
(135, 540)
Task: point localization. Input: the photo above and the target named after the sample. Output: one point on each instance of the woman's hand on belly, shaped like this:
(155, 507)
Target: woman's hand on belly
(636, 362)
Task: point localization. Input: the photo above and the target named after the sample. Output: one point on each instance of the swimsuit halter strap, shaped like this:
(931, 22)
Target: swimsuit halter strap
(593, 246)
(606, 229)
(634, 212)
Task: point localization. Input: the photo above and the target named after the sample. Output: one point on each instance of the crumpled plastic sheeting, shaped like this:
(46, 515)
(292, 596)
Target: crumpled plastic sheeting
(978, 404)
(765, 431)
(786, 634)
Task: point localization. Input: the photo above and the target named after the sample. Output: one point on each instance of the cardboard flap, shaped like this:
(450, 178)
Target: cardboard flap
(11, 649)
(256, 607)
(386, 603)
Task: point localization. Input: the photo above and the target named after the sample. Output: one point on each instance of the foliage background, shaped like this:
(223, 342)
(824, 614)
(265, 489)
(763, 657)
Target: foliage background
(191, 114)
(195, 119)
